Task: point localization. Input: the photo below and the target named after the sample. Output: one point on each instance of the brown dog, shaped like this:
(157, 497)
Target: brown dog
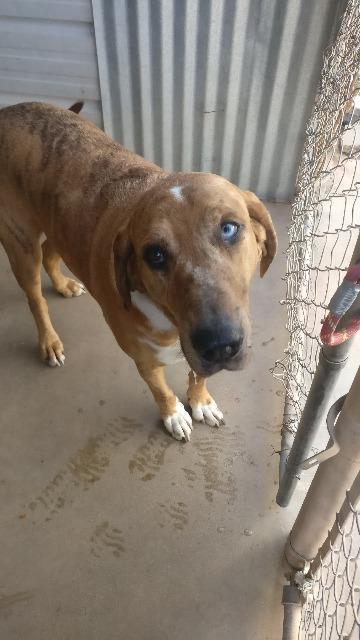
(168, 256)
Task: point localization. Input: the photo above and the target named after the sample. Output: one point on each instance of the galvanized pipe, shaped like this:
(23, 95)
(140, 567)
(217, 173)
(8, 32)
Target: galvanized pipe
(352, 498)
(332, 360)
(333, 478)
(287, 436)
(292, 612)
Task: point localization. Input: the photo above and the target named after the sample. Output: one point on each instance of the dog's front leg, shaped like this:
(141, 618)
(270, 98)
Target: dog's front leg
(177, 421)
(203, 406)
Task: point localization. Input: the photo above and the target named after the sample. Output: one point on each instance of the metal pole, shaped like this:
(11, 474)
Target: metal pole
(351, 502)
(288, 434)
(332, 479)
(292, 612)
(331, 361)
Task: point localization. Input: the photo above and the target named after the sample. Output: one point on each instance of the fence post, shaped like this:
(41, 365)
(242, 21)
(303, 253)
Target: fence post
(332, 479)
(331, 361)
(291, 601)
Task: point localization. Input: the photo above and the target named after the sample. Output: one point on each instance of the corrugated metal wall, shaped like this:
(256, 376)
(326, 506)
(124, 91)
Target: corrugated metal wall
(211, 85)
(214, 85)
(48, 52)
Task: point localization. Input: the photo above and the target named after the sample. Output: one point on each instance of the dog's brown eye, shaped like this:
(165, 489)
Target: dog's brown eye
(155, 256)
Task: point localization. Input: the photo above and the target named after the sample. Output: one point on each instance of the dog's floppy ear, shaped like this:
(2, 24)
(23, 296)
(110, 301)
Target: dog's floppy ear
(123, 252)
(263, 229)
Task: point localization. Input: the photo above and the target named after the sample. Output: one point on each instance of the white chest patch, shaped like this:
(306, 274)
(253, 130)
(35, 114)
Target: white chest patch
(156, 317)
(166, 355)
(177, 193)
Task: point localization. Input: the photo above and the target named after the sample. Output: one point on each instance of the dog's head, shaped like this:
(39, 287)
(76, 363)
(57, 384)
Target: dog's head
(193, 244)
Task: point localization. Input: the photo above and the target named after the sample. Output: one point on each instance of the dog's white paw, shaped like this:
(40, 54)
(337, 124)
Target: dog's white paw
(179, 424)
(78, 289)
(52, 350)
(56, 360)
(71, 288)
(209, 413)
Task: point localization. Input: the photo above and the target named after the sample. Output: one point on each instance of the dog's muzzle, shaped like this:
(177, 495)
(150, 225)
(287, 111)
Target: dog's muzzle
(219, 346)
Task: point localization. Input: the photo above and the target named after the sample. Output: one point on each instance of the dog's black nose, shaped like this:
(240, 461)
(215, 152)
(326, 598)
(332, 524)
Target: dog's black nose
(217, 344)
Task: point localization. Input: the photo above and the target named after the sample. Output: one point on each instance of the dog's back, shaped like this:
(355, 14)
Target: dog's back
(60, 172)
(43, 147)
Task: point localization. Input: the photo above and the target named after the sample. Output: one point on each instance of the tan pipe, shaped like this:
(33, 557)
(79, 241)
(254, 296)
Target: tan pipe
(327, 490)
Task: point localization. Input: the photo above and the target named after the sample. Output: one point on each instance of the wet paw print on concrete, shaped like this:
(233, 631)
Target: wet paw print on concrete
(9, 600)
(83, 469)
(213, 466)
(174, 515)
(190, 477)
(107, 539)
(149, 457)
(121, 429)
(90, 462)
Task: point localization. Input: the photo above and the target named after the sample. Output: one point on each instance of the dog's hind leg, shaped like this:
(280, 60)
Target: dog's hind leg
(64, 285)
(22, 245)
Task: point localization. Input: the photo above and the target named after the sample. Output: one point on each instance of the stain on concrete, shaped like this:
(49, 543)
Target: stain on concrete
(174, 515)
(217, 478)
(266, 342)
(190, 477)
(150, 457)
(107, 539)
(246, 457)
(84, 468)
(89, 463)
(9, 600)
(265, 426)
(121, 429)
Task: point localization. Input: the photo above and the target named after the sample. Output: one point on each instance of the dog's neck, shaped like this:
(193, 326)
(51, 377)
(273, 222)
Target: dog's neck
(156, 317)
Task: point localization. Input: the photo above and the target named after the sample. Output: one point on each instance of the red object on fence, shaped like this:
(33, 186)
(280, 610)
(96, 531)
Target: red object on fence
(341, 301)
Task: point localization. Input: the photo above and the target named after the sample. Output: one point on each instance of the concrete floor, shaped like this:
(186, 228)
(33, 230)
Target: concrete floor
(111, 529)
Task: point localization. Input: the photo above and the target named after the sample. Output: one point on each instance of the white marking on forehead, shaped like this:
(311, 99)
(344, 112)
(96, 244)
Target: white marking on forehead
(202, 275)
(156, 317)
(177, 193)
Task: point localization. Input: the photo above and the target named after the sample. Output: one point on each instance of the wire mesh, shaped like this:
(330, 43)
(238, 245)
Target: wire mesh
(333, 609)
(324, 229)
(325, 214)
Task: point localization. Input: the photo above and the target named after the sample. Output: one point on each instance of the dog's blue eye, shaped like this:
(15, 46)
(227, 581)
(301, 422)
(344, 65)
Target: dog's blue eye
(229, 231)
(155, 256)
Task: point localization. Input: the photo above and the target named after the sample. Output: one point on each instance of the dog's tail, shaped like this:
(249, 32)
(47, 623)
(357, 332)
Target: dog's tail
(76, 107)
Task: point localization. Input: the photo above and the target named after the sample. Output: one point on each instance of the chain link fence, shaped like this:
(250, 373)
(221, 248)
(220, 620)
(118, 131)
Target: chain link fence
(326, 212)
(332, 608)
(323, 232)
